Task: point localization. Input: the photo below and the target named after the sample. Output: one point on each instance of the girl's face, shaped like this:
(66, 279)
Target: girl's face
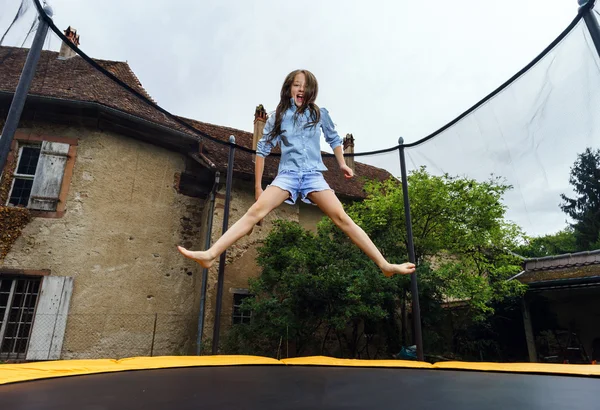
(297, 89)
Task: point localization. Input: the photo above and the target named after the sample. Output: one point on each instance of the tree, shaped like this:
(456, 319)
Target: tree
(554, 244)
(585, 207)
(460, 238)
(311, 290)
(324, 296)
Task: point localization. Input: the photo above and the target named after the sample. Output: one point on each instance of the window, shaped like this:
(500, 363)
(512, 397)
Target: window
(42, 173)
(27, 162)
(240, 315)
(33, 315)
(18, 297)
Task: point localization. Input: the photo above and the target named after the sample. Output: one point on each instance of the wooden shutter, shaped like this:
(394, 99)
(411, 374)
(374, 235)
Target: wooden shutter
(45, 190)
(49, 324)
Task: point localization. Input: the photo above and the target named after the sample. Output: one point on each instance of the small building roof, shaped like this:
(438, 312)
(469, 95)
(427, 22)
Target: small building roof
(568, 270)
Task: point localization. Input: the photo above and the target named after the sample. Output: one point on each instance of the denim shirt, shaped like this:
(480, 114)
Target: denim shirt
(300, 145)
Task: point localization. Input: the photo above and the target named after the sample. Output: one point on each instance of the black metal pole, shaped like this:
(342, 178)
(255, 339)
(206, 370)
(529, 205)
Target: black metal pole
(153, 335)
(217, 328)
(414, 288)
(591, 22)
(18, 101)
(209, 225)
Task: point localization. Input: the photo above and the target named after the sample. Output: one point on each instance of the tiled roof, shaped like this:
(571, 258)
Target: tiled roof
(561, 267)
(563, 261)
(76, 80)
(244, 164)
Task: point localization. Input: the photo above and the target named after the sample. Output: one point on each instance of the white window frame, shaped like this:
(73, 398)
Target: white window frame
(22, 176)
(9, 307)
(48, 181)
(49, 322)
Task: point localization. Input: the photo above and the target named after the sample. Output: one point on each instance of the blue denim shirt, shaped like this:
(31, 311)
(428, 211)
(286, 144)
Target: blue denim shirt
(300, 145)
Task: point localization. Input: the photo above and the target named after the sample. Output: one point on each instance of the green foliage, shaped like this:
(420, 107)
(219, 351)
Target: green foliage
(319, 294)
(458, 227)
(311, 288)
(555, 244)
(585, 207)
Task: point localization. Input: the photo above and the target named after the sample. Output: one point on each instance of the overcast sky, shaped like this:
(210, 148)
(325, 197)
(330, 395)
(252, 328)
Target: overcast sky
(385, 68)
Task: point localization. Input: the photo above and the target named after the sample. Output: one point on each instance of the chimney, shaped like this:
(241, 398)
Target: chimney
(260, 118)
(349, 149)
(65, 51)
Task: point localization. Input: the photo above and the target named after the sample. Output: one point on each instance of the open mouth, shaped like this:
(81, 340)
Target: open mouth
(300, 98)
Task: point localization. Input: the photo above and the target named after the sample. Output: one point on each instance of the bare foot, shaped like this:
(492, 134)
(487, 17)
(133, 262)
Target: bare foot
(204, 258)
(403, 269)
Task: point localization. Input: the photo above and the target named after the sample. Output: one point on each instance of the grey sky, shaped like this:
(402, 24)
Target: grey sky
(385, 68)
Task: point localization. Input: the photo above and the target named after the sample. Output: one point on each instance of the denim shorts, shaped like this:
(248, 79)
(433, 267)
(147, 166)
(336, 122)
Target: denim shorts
(300, 183)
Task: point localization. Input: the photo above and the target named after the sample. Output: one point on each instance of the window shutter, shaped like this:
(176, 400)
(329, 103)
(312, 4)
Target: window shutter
(48, 176)
(48, 332)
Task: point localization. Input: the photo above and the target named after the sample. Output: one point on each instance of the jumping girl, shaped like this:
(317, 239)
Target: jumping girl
(297, 125)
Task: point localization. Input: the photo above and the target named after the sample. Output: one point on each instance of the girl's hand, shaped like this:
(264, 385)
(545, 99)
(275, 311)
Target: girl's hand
(257, 192)
(348, 173)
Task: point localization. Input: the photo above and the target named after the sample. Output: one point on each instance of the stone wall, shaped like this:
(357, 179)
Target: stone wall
(309, 216)
(133, 292)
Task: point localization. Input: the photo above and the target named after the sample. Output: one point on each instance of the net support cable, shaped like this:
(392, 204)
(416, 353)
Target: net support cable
(583, 12)
(146, 100)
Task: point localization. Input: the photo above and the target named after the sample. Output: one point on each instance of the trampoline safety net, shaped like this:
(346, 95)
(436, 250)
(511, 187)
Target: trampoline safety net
(482, 189)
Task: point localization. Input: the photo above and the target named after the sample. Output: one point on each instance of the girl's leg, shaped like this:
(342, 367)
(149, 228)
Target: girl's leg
(328, 202)
(270, 199)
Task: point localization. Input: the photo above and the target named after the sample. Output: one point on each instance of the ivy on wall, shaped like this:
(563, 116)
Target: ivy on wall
(12, 222)
(12, 219)
(7, 177)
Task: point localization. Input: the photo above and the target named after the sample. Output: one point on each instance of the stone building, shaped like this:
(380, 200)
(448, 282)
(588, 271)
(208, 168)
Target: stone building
(98, 190)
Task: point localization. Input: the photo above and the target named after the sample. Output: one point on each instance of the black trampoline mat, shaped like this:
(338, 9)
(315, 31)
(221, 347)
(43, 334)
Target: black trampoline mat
(303, 387)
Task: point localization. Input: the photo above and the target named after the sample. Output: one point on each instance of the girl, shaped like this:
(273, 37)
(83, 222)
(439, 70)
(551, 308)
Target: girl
(296, 126)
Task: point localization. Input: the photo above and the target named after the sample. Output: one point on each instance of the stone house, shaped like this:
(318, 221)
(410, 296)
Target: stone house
(98, 190)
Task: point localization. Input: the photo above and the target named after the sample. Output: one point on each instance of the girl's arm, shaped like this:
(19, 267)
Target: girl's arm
(259, 167)
(263, 149)
(331, 135)
(339, 156)
(335, 142)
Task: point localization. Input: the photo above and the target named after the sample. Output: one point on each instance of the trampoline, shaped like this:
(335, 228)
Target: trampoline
(248, 382)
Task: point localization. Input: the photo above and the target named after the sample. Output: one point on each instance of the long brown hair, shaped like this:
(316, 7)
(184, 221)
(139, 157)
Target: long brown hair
(310, 95)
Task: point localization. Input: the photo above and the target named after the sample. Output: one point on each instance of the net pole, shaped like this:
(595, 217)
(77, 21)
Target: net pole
(591, 22)
(414, 288)
(18, 102)
(221, 277)
(209, 225)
